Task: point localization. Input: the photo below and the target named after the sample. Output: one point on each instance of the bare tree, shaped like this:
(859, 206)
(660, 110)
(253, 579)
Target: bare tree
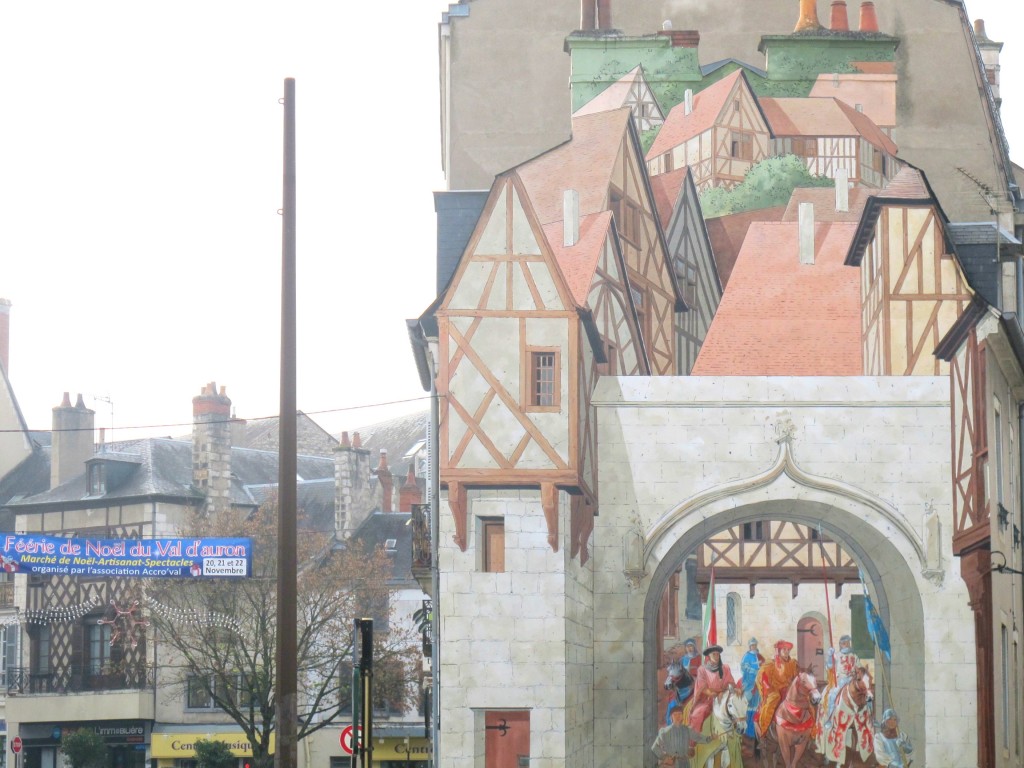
(223, 632)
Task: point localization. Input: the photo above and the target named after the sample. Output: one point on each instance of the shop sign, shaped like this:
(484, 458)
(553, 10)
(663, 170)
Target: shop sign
(183, 745)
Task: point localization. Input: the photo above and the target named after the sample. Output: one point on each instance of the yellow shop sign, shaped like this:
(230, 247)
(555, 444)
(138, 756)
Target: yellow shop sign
(183, 745)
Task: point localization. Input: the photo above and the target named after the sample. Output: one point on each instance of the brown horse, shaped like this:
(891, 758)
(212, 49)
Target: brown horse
(792, 727)
(849, 723)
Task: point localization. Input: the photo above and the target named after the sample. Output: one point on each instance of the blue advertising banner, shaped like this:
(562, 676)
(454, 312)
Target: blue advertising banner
(144, 558)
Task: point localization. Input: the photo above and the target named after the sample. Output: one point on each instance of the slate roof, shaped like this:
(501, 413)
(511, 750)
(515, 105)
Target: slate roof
(312, 439)
(398, 436)
(822, 117)
(778, 317)
(377, 528)
(714, 66)
(707, 106)
(164, 469)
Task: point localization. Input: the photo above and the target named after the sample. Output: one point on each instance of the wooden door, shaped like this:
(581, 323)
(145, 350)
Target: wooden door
(507, 743)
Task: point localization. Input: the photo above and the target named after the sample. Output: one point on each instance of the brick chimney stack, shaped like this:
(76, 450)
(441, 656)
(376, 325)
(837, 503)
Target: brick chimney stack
(840, 18)
(409, 493)
(352, 501)
(72, 440)
(682, 38)
(5, 335)
(211, 447)
(808, 16)
(387, 483)
(868, 18)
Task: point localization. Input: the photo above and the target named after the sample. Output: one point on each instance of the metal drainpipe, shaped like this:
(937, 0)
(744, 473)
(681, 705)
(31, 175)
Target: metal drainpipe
(435, 579)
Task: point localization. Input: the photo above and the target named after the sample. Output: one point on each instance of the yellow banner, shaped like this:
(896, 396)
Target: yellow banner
(182, 745)
(395, 748)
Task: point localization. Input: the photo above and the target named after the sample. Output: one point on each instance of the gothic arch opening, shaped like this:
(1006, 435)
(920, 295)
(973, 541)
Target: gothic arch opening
(883, 558)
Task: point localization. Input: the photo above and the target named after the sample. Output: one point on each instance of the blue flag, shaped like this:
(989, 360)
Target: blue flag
(876, 628)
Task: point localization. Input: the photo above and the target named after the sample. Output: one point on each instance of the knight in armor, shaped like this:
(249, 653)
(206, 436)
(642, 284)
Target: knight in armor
(892, 746)
(844, 661)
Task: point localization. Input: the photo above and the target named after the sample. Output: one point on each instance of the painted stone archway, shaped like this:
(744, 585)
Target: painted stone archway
(691, 457)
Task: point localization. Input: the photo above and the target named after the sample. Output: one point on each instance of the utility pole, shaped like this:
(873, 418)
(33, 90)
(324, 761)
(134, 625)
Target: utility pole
(286, 755)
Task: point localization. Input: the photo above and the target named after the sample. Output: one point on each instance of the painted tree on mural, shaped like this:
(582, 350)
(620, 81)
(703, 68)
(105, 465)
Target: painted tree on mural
(223, 632)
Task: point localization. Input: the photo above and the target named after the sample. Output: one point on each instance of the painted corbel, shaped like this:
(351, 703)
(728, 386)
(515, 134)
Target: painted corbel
(549, 500)
(457, 502)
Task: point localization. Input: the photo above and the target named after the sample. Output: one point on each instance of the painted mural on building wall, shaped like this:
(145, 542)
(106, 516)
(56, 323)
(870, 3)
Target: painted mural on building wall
(713, 235)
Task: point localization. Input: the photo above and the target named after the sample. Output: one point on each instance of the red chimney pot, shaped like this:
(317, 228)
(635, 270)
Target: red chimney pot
(868, 18)
(840, 18)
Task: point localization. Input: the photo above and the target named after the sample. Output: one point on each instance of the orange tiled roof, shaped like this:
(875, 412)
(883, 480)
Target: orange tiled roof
(727, 234)
(877, 94)
(583, 163)
(822, 117)
(908, 184)
(707, 106)
(824, 200)
(782, 318)
(579, 262)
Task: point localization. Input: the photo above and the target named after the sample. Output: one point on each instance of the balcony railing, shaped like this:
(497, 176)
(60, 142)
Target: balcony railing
(88, 679)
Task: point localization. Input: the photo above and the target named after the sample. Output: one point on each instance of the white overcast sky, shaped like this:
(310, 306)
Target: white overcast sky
(140, 178)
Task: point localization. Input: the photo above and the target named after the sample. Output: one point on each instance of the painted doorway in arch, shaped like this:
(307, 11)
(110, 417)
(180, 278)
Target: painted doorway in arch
(507, 740)
(811, 647)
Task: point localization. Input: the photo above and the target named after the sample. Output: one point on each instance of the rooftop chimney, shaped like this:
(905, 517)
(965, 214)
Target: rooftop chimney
(238, 434)
(72, 440)
(604, 14)
(409, 493)
(868, 19)
(570, 217)
(588, 14)
(387, 482)
(979, 29)
(352, 500)
(842, 190)
(688, 102)
(5, 335)
(806, 230)
(840, 19)
(211, 447)
(682, 38)
(808, 16)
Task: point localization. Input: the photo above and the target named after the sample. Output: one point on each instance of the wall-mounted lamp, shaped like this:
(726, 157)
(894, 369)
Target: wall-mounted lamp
(1003, 567)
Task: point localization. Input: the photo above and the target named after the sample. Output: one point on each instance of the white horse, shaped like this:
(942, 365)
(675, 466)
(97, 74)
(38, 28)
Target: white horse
(728, 716)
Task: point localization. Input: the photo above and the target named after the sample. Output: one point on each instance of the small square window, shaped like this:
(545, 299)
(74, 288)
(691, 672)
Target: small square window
(543, 379)
(97, 479)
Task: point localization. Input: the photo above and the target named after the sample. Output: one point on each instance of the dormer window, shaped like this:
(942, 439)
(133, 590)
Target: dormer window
(390, 545)
(97, 478)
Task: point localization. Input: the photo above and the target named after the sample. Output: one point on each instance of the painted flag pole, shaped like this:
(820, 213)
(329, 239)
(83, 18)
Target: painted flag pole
(832, 679)
(710, 628)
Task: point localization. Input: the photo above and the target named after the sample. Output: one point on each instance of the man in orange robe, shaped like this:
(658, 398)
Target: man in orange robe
(773, 680)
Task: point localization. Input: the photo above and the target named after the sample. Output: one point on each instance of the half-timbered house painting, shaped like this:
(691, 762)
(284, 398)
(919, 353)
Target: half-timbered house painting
(830, 136)
(872, 93)
(718, 133)
(604, 163)
(631, 90)
(913, 287)
(692, 259)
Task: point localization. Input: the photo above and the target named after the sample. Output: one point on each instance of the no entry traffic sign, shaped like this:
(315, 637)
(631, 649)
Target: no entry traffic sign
(16, 744)
(347, 740)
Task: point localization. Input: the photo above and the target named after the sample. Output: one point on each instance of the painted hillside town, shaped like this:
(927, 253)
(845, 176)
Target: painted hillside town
(729, 377)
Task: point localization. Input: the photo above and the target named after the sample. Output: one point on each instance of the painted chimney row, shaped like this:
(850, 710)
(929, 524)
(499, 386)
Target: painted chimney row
(840, 18)
(5, 335)
(868, 18)
(351, 484)
(682, 38)
(806, 232)
(595, 14)
(410, 492)
(211, 447)
(72, 440)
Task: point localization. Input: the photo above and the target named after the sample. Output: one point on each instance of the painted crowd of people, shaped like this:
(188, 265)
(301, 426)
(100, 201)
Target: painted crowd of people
(697, 677)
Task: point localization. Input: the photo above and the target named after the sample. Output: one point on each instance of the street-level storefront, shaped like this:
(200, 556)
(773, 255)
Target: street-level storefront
(127, 741)
(174, 746)
(395, 745)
